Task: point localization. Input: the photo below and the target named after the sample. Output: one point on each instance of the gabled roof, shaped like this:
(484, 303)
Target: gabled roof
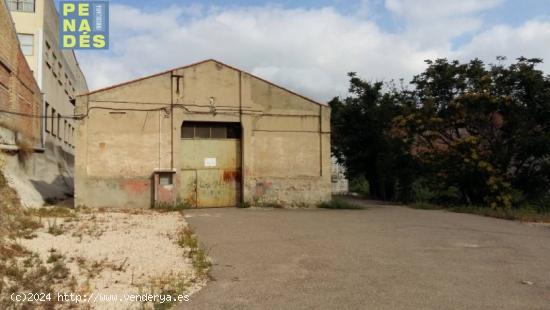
(196, 64)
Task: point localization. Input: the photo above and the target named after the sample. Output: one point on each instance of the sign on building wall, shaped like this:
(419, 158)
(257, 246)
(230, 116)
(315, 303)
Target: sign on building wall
(210, 162)
(84, 25)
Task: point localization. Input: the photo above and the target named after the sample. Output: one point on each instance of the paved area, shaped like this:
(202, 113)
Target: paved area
(385, 257)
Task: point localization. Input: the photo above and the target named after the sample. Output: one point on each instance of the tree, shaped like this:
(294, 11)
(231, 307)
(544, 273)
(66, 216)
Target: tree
(483, 129)
(361, 139)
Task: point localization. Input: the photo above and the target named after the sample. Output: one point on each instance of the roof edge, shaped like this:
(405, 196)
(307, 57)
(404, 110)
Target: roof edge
(198, 63)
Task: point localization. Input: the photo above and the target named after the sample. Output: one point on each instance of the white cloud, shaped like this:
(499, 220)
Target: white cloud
(309, 51)
(531, 40)
(436, 22)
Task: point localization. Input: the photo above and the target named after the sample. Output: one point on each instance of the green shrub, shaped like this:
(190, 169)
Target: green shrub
(360, 185)
(424, 191)
(339, 204)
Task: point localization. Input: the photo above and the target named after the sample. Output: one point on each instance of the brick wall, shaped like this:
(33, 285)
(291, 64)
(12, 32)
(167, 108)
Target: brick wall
(19, 91)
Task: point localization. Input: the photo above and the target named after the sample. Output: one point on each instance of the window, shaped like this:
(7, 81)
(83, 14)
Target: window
(210, 130)
(26, 41)
(65, 132)
(47, 110)
(70, 135)
(53, 123)
(165, 178)
(21, 5)
(59, 126)
(47, 53)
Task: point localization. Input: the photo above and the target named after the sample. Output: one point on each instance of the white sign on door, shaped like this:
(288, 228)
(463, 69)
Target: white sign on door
(210, 162)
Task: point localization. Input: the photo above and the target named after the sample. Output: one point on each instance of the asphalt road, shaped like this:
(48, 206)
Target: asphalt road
(384, 257)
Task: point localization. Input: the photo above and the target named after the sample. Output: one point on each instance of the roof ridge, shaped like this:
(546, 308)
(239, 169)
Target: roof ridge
(195, 64)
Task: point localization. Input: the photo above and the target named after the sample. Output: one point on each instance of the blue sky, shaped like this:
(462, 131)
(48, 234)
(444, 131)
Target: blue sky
(309, 45)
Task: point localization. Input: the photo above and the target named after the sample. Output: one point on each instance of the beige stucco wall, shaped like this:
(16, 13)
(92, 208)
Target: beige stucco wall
(285, 137)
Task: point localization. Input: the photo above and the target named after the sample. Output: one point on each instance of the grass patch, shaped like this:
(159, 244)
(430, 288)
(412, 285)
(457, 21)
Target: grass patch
(55, 229)
(339, 204)
(52, 212)
(524, 214)
(273, 205)
(244, 205)
(186, 239)
(425, 206)
(20, 269)
(519, 214)
(170, 207)
(197, 254)
(31, 274)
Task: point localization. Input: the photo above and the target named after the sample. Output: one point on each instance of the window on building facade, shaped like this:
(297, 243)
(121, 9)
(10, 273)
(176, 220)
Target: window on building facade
(210, 130)
(46, 113)
(26, 41)
(21, 5)
(53, 118)
(65, 131)
(59, 126)
(165, 178)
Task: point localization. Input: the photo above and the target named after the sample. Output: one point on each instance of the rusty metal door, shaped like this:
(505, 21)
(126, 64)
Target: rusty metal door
(211, 172)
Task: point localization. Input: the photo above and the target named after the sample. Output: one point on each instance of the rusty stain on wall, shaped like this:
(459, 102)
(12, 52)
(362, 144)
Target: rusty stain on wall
(231, 176)
(136, 185)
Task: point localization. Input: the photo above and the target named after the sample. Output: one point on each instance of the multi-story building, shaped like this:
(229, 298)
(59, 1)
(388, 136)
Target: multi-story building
(46, 120)
(56, 71)
(19, 93)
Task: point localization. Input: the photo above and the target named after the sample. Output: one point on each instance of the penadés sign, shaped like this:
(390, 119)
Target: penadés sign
(84, 25)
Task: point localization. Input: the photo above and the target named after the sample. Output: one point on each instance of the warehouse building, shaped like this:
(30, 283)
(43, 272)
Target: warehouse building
(207, 135)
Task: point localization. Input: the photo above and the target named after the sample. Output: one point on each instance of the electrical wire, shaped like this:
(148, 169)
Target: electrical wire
(165, 109)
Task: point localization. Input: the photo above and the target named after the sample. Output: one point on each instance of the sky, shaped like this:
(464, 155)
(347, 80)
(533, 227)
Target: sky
(309, 46)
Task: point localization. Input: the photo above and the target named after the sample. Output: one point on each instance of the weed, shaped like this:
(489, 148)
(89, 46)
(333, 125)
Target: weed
(167, 285)
(31, 275)
(525, 214)
(243, 205)
(339, 204)
(187, 239)
(301, 205)
(521, 214)
(175, 285)
(426, 206)
(55, 229)
(21, 270)
(274, 205)
(8, 251)
(54, 257)
(168, 207)
(53, 212)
